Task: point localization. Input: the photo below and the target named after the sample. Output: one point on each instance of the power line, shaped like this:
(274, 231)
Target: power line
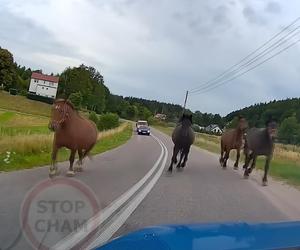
(267, 59)
(252, 61)
(227, 71)
(259, 56)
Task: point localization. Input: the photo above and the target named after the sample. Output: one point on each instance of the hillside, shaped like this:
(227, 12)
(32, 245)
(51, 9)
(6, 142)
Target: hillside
(258, 114)
(22, 104)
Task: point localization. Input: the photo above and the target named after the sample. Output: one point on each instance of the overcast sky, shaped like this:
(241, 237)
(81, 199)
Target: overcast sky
(156, 49)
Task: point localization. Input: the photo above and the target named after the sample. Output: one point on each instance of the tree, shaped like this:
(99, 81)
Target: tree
(89, 82)
(8, 75)
(289, 130)
(76, 99)
(131, 112)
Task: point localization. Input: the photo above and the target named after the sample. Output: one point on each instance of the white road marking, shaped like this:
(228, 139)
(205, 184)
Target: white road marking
(124, 215)
(76, 237)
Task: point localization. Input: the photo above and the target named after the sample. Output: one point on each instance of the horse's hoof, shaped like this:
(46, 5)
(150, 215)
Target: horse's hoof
(170, 170)
(235, 167)
(53, 173)
(78, 168)
(265, 183)
(244, 167)
(178, 166)
(246, 176)
(70, 173)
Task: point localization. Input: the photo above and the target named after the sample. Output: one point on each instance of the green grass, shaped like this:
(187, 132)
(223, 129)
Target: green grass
(18, 161)
(23, 105)
(285, 164)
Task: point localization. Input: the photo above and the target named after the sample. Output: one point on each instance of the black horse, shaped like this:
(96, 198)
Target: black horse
(183, 137)
(259, 142)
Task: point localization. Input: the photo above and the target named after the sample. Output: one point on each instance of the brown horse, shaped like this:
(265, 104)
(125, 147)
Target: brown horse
(260, 142)
(233, 139)
(71, 131)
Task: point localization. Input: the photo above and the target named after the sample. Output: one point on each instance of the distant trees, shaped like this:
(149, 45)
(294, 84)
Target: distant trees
(8, 75)
(289, 130)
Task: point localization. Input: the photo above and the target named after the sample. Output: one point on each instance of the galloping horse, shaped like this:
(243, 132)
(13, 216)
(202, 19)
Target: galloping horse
(233, 139)
(183, 137)
(71, 131)
(259, 142)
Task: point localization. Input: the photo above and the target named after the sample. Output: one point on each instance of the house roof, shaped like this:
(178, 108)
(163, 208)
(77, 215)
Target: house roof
(39, 76)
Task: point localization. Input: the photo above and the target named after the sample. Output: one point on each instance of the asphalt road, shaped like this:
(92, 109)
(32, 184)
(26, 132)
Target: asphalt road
(203, 192)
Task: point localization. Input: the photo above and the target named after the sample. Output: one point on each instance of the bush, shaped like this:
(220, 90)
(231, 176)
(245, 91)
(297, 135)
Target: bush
(108, 121)
(93, 117)
(13, 91)
(76, 98)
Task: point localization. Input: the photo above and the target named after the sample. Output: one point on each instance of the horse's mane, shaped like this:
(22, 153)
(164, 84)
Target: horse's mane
(65, 101)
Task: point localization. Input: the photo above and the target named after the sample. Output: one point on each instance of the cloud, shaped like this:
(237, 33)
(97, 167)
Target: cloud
(252, 16)
(156, 49)
(273, 7)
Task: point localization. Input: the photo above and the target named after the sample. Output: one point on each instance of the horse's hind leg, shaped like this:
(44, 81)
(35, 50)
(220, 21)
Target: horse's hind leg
(174, 158)
(236, 164)
(186, 154)
(53, 171)
(180, 159)
(71, 172)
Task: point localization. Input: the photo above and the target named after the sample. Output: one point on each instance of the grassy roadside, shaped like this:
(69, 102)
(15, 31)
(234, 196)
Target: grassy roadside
(284, 166)
(39, 153)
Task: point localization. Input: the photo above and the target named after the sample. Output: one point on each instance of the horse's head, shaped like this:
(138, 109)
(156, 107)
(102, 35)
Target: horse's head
(60, 113)
(242, 124)
(186, 120)
(271, 129)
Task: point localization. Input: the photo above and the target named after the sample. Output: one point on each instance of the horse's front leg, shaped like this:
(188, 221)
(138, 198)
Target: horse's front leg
(174, 158)
(186, 154)
(247, 162)
(236, 164)
(226, 158)
(79, 168)
(267, 165)
(53, 171)
(71, 172)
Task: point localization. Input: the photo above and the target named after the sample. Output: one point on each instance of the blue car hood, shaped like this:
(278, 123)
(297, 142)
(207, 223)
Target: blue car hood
(211, 236)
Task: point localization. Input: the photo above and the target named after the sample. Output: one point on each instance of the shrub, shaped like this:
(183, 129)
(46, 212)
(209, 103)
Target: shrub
(108, 121)
(13, 91)
(93, 117)
(76, 99)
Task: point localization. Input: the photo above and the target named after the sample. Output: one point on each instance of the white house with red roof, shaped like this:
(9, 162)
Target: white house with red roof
(43, 85)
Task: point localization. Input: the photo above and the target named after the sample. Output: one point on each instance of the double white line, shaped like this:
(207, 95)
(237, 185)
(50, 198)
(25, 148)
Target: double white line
(109, 220)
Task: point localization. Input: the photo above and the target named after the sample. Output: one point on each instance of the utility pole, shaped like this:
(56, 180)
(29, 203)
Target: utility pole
(186, 97)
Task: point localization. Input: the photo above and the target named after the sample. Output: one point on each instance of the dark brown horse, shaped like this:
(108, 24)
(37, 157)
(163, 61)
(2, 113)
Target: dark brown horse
(259, 142)
(233, 139)
(183, 137)
(71, 131)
